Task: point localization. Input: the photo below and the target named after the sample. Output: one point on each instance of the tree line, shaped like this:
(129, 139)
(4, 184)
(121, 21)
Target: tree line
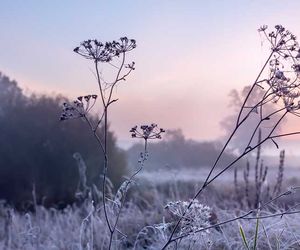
(36, 150)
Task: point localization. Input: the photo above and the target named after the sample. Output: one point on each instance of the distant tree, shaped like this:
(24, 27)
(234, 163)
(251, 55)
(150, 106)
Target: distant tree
(242, 136)
(37, 149)
(10, 94)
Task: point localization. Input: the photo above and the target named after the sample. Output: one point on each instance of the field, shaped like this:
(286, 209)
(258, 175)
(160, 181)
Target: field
(143, 223)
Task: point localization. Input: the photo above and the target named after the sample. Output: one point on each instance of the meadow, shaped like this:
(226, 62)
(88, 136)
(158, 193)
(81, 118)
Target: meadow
(233, 201)
(145, 219)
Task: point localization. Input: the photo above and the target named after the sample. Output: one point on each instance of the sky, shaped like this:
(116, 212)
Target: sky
(189, 56)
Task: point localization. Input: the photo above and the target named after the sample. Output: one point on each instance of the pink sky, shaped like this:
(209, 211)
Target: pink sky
(189, 56)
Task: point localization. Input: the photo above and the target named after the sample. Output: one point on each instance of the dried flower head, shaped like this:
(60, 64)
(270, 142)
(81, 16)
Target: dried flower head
(130, 66)
(284, 82)
(95, 50)
(262, 28)
(79, 108)
(281, 40)
(104, 52)
(147, 132)
(124, 45)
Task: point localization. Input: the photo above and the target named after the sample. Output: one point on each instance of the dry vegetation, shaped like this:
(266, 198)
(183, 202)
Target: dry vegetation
(144, 222)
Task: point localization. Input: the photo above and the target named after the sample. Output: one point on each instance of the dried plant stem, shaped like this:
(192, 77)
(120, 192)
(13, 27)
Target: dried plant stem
(126, 188)
(208, 182)
(104, 144)
(252, 87)
(238, 124)
(101, 53)
(288, 106)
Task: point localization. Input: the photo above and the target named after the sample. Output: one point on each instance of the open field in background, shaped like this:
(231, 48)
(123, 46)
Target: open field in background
(183, 184)
(197, 176)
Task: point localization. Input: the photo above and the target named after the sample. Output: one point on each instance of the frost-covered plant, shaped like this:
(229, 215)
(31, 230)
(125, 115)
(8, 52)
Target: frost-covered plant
(197, 216)
(112, 54)
(146, 132)
(279, 82)
(82, 187)
(66, 229)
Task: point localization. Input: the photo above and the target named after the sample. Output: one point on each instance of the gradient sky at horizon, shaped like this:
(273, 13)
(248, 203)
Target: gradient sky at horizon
(190, 54)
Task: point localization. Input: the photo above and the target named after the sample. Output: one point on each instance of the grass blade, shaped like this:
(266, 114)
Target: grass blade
(244, 238)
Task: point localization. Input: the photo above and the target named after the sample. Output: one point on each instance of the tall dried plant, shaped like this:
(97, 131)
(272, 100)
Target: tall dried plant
(112, 54)
(279, 82)
(261, 190)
